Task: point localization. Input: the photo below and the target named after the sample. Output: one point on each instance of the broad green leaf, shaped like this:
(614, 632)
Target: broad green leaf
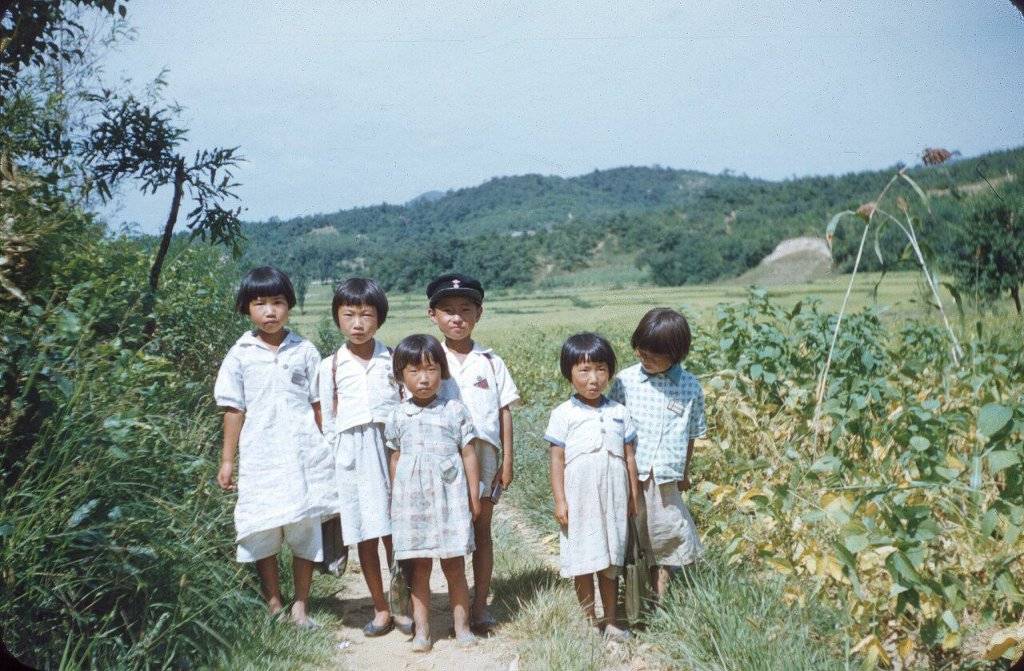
(81, 512)
(992, 418)
(919, 443)
(950, 621)
(855, 543)
(988, 522)
(1000, 460)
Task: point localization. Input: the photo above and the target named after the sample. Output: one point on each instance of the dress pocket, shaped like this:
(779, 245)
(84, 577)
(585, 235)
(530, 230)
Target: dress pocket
(449, 469)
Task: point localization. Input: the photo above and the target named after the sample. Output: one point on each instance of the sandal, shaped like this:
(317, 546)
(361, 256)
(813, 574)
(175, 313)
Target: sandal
(371, 630)
(422, 644)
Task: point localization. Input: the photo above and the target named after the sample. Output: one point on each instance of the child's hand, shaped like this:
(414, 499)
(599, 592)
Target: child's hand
(684, 484)
(225, 476)
(505, 477)
(562, 513)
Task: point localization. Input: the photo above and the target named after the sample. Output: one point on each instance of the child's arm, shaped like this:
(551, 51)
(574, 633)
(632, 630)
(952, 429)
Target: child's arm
(558, 484)
(505, 476)
(393, 463)
(472, 467)
(634, 480)
(684, 484)
(318, 417)
(233, 420)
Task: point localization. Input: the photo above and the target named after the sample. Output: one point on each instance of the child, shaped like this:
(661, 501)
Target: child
(593, 476)
(482, 382)
(271, 420)
(435, 479)
(357, 383)
(667, 404)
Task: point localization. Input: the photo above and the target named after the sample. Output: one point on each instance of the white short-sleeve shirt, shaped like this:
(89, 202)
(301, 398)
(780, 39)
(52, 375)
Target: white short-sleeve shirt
(364, 393)
(581, 428)
(285, 471)
(483, 384)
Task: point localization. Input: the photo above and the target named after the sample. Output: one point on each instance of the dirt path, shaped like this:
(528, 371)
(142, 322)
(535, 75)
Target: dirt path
(394, 650)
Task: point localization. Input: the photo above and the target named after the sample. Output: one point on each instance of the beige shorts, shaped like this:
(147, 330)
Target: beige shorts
(303, 537)
(488, 459)
(666, 528)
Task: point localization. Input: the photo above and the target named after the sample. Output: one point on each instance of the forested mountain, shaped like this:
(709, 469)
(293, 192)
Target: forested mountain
(682, 226)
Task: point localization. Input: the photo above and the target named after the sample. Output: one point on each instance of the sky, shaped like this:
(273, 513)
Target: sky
(343, 104)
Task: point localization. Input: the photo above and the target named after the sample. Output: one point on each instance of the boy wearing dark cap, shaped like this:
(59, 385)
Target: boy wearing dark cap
(480, 379)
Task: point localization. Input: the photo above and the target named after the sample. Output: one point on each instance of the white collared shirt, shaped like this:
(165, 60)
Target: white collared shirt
(285, 471)
(364, 393)
(483, 384)
(581, 429)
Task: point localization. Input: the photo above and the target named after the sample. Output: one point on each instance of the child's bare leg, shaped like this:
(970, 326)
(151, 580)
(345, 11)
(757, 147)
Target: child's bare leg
(608, 586)
(421, 595)
(270, 582)
(483, 559)
(302, 571)
(369, 562)
(458, 593)
(585, 594)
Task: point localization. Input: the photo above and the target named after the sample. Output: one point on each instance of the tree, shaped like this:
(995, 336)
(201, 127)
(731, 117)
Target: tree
(140, 140)
(989, 254)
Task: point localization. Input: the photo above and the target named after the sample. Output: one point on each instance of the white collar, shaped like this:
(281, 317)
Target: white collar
(380, 350)
(249, 339)
(477, 349)
(411, 408)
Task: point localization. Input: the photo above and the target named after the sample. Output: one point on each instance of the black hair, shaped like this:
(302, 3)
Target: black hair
(663, 331)
(360, 291)
(263, 282)
(584, 347)
(415, 349)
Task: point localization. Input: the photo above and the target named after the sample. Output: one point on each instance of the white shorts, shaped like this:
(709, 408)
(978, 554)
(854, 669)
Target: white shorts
(303, 537)
(666, 528)
(487, 459)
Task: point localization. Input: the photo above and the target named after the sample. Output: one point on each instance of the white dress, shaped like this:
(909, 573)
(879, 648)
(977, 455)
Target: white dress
(430, 515)
(596, 483)
(354, 425)
(285, 469)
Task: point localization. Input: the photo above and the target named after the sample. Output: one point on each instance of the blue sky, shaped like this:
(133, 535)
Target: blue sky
(341, 104)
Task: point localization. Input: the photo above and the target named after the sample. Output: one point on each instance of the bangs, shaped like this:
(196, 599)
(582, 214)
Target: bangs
(358, 291)
(583, 348)
(263, 282)
(417, 349)
(664, 332)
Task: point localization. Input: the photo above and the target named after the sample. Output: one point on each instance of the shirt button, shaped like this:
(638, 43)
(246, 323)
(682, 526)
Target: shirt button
(285, 366)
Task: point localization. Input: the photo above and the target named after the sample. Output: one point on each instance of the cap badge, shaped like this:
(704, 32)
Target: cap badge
(456, 283)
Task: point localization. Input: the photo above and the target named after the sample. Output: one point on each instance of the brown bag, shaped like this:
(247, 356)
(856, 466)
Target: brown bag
(637, 575)
(335, 559)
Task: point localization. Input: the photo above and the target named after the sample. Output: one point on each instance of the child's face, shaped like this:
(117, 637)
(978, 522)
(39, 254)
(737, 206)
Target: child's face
(653, 363)
(269, 314)
(589, 379)
(455, 316)
(358, 322)
(422, 379)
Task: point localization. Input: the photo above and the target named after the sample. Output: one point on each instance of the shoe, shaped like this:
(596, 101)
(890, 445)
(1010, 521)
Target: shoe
(406, 628)
(467, 640)
(309, 624)
(485, 623)
(422, 644)
(613, 633)
(371, 630)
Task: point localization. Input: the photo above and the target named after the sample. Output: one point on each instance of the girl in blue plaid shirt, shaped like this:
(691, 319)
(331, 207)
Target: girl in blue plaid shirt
(667, 406)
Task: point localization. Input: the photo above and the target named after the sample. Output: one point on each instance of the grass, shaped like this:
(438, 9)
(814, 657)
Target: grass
(508, 312)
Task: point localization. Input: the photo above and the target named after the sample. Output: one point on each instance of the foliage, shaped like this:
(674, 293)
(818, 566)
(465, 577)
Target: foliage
(989, 256)
(681, 226)
(907, 520)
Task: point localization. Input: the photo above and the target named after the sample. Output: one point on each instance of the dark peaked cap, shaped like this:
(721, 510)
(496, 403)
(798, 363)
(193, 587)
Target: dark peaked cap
(455, 284)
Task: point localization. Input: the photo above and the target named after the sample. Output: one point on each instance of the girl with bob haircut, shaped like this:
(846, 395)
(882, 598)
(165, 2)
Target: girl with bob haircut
(435, 480)
(593, 477)
(667, 404)
(271, 422)
(357, 384)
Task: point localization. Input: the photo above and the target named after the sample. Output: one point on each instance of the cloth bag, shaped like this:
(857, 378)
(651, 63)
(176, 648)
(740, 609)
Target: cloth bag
(637, 571)
(335, 559)
(399, 588)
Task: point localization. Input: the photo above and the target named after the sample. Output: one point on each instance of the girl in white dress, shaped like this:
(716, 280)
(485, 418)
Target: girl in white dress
(436, 494)
(359, 393)
(285, 480)
(593, 476)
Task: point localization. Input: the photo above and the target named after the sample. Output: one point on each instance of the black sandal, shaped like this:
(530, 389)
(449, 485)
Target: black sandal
(371, 630)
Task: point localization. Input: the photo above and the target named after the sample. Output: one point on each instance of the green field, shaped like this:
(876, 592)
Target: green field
(507, 312)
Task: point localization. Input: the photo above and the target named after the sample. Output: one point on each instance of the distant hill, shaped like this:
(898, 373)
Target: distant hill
(682, 226)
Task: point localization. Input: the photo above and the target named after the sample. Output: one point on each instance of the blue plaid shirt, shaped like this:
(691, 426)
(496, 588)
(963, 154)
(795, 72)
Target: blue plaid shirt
(668, 411)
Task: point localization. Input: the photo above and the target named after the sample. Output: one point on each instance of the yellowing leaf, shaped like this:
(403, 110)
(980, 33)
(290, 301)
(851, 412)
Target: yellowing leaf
(1003, 641)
